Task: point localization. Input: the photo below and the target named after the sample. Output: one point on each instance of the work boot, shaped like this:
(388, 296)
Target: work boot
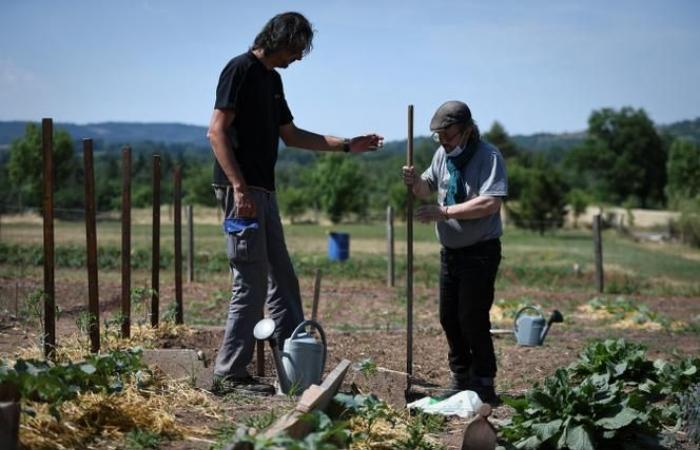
(484, 388)
(458, 383)
(223, 385)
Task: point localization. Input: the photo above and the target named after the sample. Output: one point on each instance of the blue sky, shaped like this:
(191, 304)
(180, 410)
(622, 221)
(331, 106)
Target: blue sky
(533, 65)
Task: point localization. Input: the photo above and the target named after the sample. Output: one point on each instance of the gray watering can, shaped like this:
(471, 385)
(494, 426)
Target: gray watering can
(303, 357)
(531, 330)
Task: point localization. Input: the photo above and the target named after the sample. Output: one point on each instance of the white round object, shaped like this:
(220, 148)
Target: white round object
(264, 329)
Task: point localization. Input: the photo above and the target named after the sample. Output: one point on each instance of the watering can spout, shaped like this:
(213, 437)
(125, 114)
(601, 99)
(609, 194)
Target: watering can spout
(556, 317)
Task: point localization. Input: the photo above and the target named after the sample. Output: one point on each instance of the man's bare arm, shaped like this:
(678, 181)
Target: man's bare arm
(221, 146)
(297, 137)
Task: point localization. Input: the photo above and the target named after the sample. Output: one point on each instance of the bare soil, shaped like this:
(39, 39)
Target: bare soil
(367, 320)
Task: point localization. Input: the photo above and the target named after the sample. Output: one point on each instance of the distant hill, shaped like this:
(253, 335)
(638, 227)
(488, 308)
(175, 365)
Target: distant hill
(111, 133)
(118, 132)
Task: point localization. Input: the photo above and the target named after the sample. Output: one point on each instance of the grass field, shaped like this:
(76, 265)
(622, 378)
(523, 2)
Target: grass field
(543, 261)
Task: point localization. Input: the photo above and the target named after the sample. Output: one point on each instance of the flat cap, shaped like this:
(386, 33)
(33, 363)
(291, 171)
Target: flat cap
(450, 113)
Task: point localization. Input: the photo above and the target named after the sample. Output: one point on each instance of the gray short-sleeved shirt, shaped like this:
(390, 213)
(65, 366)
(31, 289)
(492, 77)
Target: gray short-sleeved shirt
(484, 175)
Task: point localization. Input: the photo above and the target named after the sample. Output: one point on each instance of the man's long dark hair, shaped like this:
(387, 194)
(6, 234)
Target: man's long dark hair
(286, 31)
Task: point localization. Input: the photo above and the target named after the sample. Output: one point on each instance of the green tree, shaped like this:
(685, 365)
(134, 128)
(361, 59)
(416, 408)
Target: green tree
(541, 203)
(498, 136)
(578, 200)
(293, 202)
(683, 171)
(623, 157)
(339, 186)
(26, 164)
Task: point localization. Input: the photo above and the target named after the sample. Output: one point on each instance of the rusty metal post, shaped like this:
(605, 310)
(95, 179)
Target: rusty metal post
(598, 250)
(177, 212)
(49, 285)
(155, 252)
(390, 276)
(190, 244)
(409, 251)
(91, 245)
(126, 242)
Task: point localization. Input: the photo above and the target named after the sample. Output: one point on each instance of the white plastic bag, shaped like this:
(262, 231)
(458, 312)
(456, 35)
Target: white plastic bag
(463, 404)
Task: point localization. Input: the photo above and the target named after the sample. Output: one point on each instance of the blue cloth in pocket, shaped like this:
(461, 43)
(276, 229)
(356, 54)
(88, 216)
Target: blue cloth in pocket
(238, 224)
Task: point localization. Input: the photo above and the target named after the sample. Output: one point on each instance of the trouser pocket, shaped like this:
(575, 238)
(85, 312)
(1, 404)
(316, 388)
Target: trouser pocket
(243, 246)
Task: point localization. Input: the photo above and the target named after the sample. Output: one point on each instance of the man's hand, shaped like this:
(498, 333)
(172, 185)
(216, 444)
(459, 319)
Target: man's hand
(431, 213)
(368, 142)
(245, 206)
(409, 175)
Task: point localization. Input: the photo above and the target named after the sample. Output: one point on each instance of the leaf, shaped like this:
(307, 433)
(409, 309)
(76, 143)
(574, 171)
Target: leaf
(579, 439)
(545, 431)
(530, 443)
(625, 417)
(88, 368)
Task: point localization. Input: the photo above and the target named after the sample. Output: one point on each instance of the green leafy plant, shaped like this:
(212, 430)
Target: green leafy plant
(367, 367)
(43, 381)
(139, 439)
(593, 413)
(611, 397)
(326, 435)
(418, 428)
(621, 359)
(261, 421)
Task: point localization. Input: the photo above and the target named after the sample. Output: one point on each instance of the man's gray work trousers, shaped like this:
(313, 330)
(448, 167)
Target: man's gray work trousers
(262, 276)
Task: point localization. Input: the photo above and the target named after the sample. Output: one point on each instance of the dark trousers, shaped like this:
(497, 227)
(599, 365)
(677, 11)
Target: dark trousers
(467, 278)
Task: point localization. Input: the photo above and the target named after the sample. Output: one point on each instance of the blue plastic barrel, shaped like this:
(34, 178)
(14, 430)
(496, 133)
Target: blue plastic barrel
(338, 246)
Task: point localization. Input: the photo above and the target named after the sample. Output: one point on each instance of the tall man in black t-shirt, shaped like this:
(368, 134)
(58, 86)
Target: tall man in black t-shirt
(250, 115)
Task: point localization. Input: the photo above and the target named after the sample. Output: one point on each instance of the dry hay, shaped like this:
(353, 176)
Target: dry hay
(384, 435)
(629, 321)
(75, 346)
(91, 420)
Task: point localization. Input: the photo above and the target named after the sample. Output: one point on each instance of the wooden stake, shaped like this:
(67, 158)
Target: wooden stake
(598, 249)
(91, 246)
(126, 242)
(155, 256)
(409, 251)
(190, 244)
(177, 193)
(390, 275)
(49, 284)
(317, 294)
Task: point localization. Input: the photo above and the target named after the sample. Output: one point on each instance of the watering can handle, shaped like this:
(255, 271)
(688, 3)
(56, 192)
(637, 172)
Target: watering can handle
(520, 311)
(316, 325)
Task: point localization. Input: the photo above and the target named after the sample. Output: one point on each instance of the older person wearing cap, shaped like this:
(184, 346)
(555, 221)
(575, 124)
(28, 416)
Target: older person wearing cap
(469, 177)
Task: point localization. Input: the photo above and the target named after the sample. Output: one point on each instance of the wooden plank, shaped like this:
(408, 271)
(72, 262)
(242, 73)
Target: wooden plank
(313, 398)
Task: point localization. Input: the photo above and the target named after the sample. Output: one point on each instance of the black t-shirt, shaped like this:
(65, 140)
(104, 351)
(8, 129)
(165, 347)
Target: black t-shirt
(256, 96)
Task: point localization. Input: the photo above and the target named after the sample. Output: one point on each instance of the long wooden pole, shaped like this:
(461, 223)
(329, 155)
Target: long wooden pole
(317, 294)
(155, 254)
(409, 250)
(190, 244)
(598, 251)
(91, 246)
(126, 242)
(49, 284)
(177, 206)
(391, 273)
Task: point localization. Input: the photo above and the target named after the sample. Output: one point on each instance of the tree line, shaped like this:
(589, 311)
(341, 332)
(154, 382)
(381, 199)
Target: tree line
(624, 160)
